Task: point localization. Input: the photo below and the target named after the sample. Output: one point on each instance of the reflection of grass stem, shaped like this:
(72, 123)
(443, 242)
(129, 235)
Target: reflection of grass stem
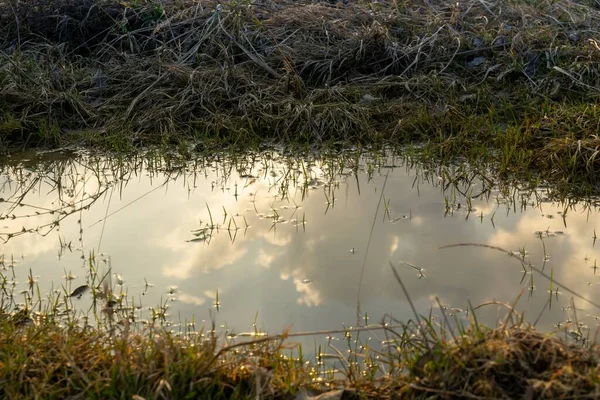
(362, 270)
(212, 224)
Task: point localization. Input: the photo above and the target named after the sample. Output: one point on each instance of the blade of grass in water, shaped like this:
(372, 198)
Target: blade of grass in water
(364, 264)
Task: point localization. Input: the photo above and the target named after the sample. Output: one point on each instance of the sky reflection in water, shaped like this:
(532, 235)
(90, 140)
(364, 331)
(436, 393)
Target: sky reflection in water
(289, 238)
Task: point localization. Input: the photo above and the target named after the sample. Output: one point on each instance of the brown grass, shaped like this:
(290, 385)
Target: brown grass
(52, 361)
(507, 364)
(49, 349)
(463, 77)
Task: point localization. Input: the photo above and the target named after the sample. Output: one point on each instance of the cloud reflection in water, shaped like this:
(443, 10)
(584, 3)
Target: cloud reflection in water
(289, 237)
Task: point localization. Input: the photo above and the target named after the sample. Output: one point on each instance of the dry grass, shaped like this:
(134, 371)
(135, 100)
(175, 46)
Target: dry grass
(52, 361)
(50, 350)
(515, 76)
(507, 364)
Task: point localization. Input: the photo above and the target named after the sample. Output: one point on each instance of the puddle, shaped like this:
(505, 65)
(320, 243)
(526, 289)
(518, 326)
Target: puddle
(264, 242)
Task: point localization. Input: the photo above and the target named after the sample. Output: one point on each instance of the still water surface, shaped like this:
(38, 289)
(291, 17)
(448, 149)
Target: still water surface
(280, 241)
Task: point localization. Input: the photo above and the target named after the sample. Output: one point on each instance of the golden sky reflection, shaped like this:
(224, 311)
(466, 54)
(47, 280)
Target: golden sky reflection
(297, 254)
